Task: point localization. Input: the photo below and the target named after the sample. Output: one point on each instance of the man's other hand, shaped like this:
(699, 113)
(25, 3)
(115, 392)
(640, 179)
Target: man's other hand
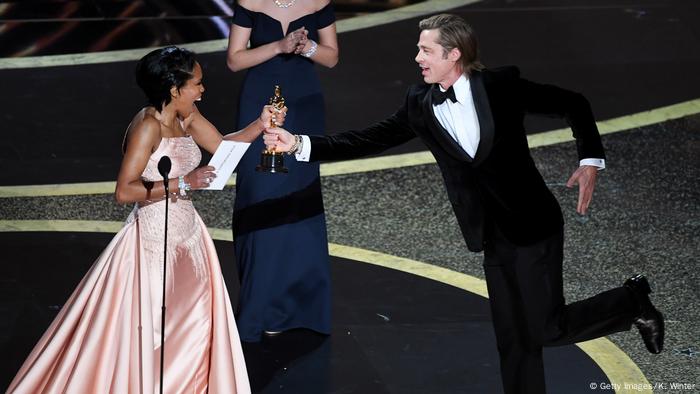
(585, 177)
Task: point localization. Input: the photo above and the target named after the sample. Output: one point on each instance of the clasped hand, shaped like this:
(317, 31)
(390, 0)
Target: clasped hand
(294, 42)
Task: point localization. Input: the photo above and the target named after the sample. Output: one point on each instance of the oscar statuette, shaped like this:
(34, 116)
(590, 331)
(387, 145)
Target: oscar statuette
(271, 160)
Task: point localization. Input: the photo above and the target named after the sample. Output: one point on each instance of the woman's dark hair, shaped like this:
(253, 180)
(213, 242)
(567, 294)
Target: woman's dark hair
(162, 69)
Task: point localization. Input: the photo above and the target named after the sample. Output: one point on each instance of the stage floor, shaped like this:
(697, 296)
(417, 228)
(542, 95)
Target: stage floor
(393, 332)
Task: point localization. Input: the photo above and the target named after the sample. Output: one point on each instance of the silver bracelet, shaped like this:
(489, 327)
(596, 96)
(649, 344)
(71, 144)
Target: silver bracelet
(311, 50)
(296, 147)
(183, 186)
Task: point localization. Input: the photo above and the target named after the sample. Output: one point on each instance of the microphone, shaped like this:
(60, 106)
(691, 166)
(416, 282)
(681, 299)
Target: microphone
(164, 166)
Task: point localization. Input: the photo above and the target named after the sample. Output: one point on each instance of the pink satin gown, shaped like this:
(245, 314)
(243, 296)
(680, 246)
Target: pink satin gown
(106, 339)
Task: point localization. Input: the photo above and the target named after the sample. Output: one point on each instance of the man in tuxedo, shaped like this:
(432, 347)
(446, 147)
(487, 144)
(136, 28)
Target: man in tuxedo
(471, 119)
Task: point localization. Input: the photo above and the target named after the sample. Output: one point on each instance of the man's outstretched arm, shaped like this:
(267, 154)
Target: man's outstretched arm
(377, 138)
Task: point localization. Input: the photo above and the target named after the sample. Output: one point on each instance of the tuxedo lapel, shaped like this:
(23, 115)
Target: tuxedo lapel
(441, 135)
(483, 113)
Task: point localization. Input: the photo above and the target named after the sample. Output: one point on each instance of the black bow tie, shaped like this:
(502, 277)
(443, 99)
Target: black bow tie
(439, 97)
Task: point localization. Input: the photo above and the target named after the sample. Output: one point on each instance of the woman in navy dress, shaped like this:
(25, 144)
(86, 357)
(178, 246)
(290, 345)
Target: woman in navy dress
(279, 225)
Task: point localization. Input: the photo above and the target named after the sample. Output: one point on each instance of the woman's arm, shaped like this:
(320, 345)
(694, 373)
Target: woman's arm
(208, 137)
(141, 138)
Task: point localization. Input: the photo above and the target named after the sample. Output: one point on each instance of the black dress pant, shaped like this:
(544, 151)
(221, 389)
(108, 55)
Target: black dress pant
(529, 311)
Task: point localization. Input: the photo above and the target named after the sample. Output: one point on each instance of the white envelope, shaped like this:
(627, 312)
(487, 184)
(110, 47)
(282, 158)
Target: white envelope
(225, 160)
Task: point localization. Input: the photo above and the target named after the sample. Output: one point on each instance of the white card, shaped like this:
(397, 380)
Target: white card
(225, 160)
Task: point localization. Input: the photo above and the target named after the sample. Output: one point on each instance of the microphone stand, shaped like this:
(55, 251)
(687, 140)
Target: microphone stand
(164, 166)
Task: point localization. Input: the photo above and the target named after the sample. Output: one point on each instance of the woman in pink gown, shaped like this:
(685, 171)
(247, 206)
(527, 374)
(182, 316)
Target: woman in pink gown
(106, 339)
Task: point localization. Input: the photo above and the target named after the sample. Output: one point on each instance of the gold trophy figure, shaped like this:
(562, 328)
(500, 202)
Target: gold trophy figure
(271, 160)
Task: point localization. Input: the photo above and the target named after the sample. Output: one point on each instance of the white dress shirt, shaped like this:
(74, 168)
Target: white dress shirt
(459, 120)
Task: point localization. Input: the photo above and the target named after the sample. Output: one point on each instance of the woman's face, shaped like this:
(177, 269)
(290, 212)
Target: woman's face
(190, 92)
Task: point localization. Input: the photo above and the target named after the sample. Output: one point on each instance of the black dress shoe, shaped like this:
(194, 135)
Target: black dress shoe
(650, 321)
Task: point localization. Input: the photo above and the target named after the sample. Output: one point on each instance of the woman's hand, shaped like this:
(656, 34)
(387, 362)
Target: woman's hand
(278, 139)
(201, 177)
(302, 45)
(271, 114)
(291, 41)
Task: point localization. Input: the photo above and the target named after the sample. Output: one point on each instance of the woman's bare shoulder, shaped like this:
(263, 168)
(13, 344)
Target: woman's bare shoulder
(144, 125)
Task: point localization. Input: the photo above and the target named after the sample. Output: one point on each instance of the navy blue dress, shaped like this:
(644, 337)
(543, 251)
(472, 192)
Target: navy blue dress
(279, 225)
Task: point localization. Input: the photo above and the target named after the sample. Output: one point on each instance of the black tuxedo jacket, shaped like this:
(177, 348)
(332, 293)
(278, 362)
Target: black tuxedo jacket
(499, 186)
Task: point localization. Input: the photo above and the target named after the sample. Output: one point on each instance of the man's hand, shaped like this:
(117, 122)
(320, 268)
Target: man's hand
(585, 177)
(278, 139)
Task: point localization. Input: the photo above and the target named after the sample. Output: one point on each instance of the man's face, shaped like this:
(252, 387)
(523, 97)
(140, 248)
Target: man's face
(436, 66)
